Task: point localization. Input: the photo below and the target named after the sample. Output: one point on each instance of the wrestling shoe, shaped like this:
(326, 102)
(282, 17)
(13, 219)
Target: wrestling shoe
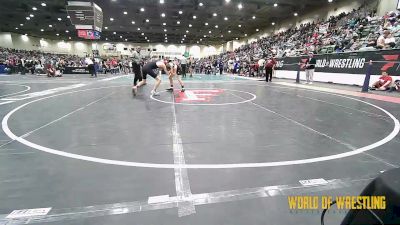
(134, 91)
(154, 93)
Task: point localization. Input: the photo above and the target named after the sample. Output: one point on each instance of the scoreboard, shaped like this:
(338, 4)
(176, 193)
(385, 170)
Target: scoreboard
(89, 34)
(85, 15)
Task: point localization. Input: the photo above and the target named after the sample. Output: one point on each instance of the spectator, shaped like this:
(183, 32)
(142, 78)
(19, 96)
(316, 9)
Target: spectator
(395, 86)
(383, 83)
(310, 68)
(381, 43)
(269, 67)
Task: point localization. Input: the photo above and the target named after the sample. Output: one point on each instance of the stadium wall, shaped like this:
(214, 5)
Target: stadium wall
(81, 48)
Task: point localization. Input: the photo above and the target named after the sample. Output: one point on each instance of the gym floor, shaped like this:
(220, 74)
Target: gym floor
(228, 151)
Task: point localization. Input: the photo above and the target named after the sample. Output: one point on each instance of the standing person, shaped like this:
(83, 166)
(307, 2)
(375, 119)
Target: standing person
(184, 66)
(90, 64)
(148, 70)
(174, 72)
(221, 67)
(310, 68)
(136, 59)
(269, 67)
(192, 65)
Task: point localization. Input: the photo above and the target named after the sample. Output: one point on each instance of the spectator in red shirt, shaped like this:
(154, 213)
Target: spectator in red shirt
(384, 82)
(269, 67)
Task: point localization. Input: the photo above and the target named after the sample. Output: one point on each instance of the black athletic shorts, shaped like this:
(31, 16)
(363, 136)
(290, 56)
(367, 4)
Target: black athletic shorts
(148, 70)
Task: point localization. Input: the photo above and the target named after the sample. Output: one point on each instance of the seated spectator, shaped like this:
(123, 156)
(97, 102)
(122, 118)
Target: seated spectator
(384, 82)
(39, 69)
(395, 86)
(381, 43)
(51, 72)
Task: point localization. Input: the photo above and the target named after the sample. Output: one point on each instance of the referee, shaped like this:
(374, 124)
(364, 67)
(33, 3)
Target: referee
(136, 59)
(184, 66)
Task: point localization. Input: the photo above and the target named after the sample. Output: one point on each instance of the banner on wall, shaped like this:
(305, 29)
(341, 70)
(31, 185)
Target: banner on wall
(350, 63)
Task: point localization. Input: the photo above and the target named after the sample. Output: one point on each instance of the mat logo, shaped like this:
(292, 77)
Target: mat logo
(198, 95)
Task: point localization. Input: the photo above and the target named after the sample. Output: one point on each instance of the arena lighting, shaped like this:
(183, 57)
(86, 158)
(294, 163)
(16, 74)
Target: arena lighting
(239, 25)
(180, 12)
(138, 28)
(31, 15)
(187, 31)
(229, 31)
(68, 17)
(125, 13)
(106, 28)
(111, 19)
(114, 32)
(240, 6)
(43, 4)
(21, 25)
(28, 18)
(178, 22)
(295, 14)
(41, 30)
(133, 22)
(257, 30)
(201, 4)
(34, 8)
(162, 14)
(142, 9)
(245, 35)
(330, 1)
(214, 14)
(147, 20)
(164, 24)
(226, 18)
(194, 17)
(254, 17)
(67, 31)
(206, 24)
(209, 31)
(190, 25)
(216, 26)
(142, 34)
(50, 25)
(227, 1)
(59, 19)
(161, 1)
(58, 34)
(165, 30)
(273, 23)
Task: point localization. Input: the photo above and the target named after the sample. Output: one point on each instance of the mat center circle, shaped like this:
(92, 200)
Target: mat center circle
(203, 96)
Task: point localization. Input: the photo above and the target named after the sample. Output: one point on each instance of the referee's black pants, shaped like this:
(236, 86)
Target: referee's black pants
(268, 71)
(137, 72)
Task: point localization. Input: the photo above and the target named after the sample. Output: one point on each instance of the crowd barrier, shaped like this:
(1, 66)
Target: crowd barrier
(343, 68)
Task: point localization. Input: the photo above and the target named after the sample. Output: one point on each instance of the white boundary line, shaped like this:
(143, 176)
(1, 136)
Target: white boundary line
(182, 185)
(21, 85)
(10, 134)
(210, 104)
(7, 102)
